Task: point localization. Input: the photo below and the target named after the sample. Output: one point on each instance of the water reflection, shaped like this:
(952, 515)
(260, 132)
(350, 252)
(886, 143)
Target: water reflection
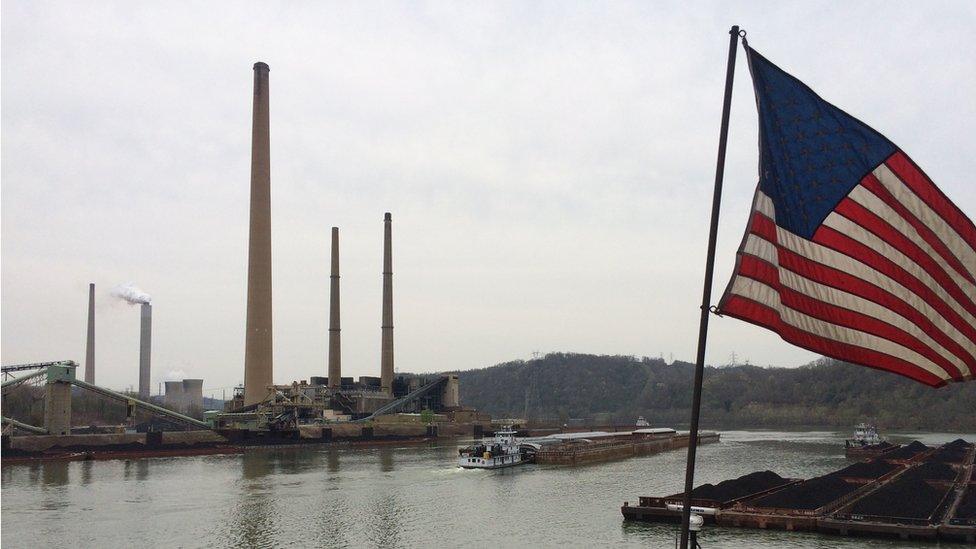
(137, 469)
(251, 520)
(332, 527)
(386, 459)
(86, 471)
(332, 460)
(384, 521)
(255, 464)
(55, 473)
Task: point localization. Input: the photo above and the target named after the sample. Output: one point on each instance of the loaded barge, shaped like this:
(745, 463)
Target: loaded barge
(911, 492)
(597, 446)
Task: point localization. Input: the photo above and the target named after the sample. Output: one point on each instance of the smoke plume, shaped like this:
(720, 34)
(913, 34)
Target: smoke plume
(131, 294)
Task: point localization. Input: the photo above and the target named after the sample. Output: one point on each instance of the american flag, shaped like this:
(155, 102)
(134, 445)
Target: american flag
(851, 251)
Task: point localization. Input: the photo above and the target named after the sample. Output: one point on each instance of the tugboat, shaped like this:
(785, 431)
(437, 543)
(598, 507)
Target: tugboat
(504, 451)
(866, 442)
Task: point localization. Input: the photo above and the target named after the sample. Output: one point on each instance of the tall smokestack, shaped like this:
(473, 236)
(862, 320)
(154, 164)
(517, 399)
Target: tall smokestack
(335, 356)
(145, 349)
(90, 342)
(386, 353)
(257, 347)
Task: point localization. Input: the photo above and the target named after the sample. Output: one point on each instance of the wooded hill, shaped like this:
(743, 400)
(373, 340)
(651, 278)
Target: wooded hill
(825, 393)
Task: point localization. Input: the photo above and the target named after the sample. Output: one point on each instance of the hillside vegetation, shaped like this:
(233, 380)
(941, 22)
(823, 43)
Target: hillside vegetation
(826, 393)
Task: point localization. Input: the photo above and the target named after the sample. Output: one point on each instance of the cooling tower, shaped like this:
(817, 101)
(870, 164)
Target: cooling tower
(174, 399)
(335, 347)
(193, 396)
(257, 346)
(145, 349)
(386, 351)
(90, 341)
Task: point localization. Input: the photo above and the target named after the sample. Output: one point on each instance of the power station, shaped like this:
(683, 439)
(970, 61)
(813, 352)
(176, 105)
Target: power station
(261, 404)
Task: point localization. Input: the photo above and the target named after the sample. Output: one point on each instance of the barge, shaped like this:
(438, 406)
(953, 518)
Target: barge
(598, 446)
(916, 492)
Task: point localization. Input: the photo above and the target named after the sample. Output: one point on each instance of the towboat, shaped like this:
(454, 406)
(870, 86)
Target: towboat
(866, 442)
(503, 451)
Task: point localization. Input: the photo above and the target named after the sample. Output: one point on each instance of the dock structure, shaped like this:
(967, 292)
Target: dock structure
(910, 492)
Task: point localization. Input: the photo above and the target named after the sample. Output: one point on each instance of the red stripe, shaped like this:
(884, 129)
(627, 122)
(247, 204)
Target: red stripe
(764, 227)
(872, 184)
(921, 185)
(836, 240)
(870, 221)
(759, 314)
(757, 269)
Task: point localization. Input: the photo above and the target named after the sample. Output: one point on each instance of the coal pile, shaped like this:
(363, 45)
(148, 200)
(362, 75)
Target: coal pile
(809, 495)
(906, 452)
(908, 498)
(870, 469)
(739, 487)
(967, 507)
(954, 452)
(932, 470)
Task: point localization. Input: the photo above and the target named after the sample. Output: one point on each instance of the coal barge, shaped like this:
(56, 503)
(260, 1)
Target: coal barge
(910, 492)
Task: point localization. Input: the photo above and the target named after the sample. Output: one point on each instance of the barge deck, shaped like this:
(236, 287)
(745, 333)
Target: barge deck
(917, 493)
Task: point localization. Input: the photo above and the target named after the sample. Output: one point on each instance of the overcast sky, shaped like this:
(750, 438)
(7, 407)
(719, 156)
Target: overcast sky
(548, 166)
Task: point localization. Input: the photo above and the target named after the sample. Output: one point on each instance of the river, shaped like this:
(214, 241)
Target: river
(394, 496)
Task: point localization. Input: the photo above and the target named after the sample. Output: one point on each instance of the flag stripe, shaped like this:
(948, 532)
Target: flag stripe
(865, 227)
(900, 233)
(847, 311)
(759, 314)
(853, 285)
(835, 240)
(837, 270)
(770, 297)
(872, 184)
(923, 200)
(914, 178)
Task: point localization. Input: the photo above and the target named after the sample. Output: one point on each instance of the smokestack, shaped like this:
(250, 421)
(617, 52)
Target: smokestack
(335, 357)
(90, 342)
(257, 346)
(145, 349)
(386, 353)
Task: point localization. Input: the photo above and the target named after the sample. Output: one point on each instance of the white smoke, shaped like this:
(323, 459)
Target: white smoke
(131, 294)
(175, 375)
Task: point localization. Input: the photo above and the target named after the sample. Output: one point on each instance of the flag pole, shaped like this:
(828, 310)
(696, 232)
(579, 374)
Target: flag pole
(707, 291)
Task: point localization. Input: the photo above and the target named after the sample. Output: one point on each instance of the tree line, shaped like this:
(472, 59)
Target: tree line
(826, 393)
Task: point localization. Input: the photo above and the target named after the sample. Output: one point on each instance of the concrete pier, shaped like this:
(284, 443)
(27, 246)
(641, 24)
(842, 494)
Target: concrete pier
(57, 400)
(258, 367)
(335, 346)
(386, 356)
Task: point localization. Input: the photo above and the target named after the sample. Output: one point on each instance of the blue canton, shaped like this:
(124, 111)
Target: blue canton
(811, 153)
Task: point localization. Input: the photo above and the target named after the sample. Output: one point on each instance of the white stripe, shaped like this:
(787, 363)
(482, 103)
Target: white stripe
(932, 220)
(760, 247)
(764, 205)
(872, 203)
(767, 295)
(763, 249)
(871, 240)
(832, 258)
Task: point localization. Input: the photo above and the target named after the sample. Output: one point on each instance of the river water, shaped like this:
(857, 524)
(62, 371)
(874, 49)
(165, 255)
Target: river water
(393, 496)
